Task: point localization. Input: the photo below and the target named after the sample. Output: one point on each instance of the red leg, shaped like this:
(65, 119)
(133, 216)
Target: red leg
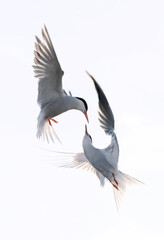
(114, 185)
(49, 121)
(53, 120)
(114, 178)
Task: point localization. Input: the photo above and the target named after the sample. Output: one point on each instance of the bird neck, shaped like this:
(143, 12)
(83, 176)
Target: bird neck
(77, 104)
(90, 151)
(87, 144)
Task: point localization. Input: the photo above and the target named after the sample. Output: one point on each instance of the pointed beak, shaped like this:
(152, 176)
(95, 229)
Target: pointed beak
(86, 130)
(85, 113)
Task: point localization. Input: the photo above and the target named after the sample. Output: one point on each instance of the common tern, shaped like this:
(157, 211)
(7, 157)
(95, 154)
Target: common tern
(103, 162)
(52, 98)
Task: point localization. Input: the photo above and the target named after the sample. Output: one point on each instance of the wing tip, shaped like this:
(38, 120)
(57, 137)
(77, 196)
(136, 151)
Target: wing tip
(37, 39)
(45, 28)
(90, 75)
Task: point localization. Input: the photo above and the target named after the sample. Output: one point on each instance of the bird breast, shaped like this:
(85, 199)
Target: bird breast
(97, 159)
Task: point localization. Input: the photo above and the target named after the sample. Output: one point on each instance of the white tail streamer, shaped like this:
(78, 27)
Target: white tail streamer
(46, 131)
(124, 181)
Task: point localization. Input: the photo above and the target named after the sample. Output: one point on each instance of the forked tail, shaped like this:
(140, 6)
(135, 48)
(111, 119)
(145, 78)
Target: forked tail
(121, 182)
(45, 130)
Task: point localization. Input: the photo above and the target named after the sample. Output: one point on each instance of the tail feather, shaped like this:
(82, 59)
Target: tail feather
(46, 131)
(124, 181)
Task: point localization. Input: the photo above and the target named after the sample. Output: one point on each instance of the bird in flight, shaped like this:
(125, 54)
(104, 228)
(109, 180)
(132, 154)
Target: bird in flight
(103, 162)
(52, 98)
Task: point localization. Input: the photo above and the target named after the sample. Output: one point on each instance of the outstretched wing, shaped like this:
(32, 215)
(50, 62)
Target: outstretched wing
(106, 117)
(47, 69)
(80, 161)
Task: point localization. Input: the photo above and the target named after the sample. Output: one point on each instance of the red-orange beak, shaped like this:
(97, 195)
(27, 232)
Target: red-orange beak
(85, 113)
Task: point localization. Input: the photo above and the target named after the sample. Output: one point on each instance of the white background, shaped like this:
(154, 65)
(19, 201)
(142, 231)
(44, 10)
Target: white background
(122, 44)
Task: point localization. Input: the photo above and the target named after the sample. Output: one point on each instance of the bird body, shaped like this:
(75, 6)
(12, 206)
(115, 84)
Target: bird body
(52, 98)
(104, 162)
(61, 105)
(55, 108)
(97, 158)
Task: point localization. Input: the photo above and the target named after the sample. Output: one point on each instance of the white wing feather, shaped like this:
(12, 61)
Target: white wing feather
(80, 161)
(47, 69)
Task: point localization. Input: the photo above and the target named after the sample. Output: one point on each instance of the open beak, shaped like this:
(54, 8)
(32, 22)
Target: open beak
(86, 130)
(85, 113)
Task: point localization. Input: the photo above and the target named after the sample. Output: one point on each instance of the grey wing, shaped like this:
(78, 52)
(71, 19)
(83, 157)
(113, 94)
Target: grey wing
(106, 117)
(112, 151)
(47, 69)
(80, 161)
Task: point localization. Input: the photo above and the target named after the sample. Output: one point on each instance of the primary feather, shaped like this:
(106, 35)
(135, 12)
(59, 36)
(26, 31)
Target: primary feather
(47, 69)
(79, 160)
(106, 116)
